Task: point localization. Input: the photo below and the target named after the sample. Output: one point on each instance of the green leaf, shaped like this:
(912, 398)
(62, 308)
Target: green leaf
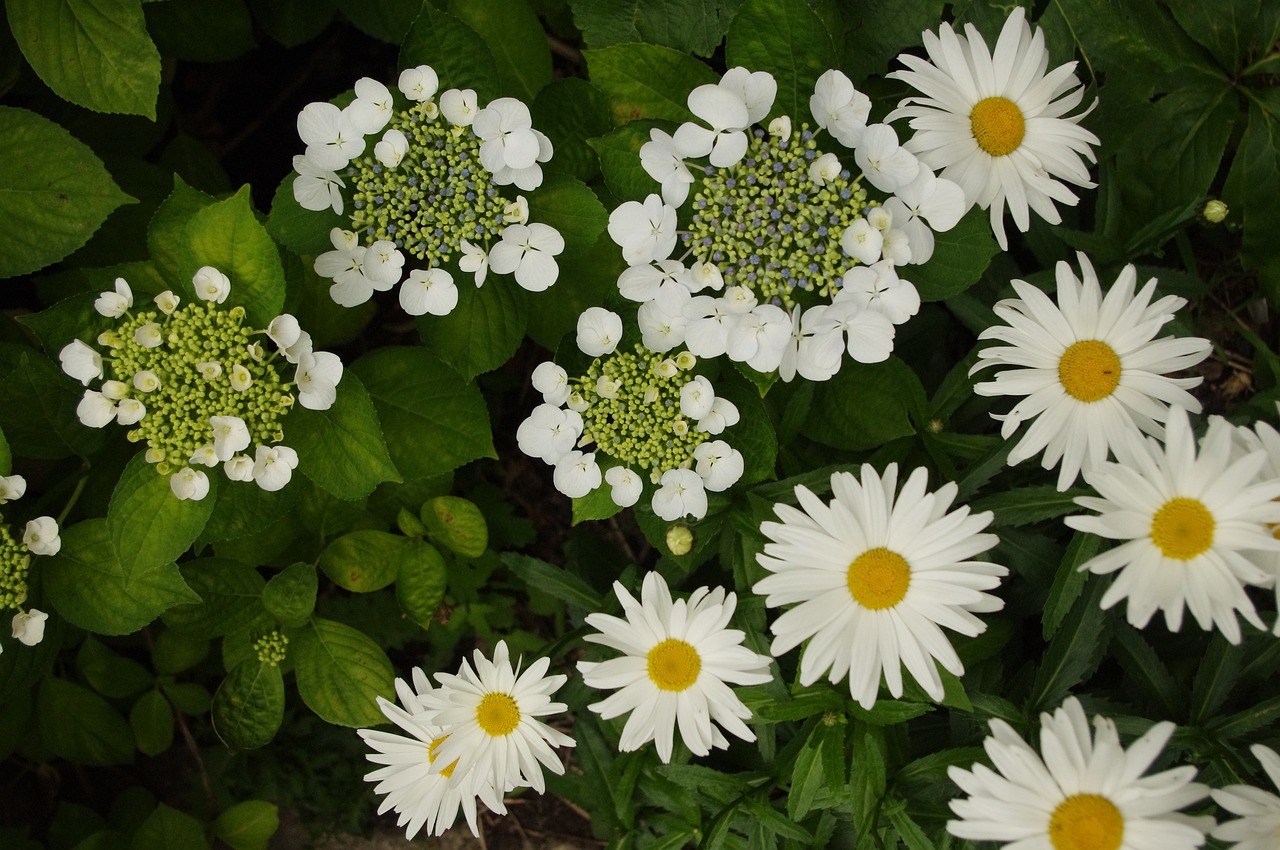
(1216, 674)
(69, 319)
(554, 580)
(175, 652)
(249, 705)
(152, 722)
(421, 402)
(201, 30)
(646, 80)
(1029, 504)
(819, 765)
(455, 50)
(94, 53)
(960, 256)
(38, 407)
(293, 22)
(570, 111)
(619, 153)
(290, 595)
(362, 561)
(878, 30)
(869, 778)
(457, 525)
(242, 508)
(86, 583)
(1074, 652)
(1233, 30)
(166, 828)
(866, 405)
(597, 504)
(1264, 714)
(227, 236)
(521, 56)
(690, 26)
(110, 674)
(387, 20)
(78, 725)
(342, 449)
(483, 331)
(1142, 665)
(912, 835)
(149, 525)
(341, 672)
(421, 578)
(54, 192)
(1068, 581)
(248, 825)
(6, 456)
(164, 236)
(787, 39)
(1253, 190)
(230, 598)
(301, 230)
(571, 208)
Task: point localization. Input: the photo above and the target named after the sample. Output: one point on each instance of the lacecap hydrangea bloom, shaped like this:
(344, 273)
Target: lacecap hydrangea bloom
(431, 187)
(39, 537)
(648, 415)
(193, 383)
(784, 260)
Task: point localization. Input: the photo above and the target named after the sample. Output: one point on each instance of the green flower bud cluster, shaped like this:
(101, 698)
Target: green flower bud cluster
(15, 563)
(207, 364)
(638, 421)
(767, 226)
(437, 196)
(271, 648)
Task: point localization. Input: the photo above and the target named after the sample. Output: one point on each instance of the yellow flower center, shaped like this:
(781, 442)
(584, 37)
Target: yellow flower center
(431, 756)
(498, 714)
(1089, 370)
(674, 665)
(1182, 529)
(1086, 822)
(879, 578)
(998, 125)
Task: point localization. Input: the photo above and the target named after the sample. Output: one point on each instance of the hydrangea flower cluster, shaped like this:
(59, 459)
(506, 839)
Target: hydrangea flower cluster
(196, 387)
(429, 195)
(802, 261)
(39, 537)
(643, 410)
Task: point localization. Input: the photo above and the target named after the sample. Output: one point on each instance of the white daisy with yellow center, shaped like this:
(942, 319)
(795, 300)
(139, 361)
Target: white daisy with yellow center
(491, 713)
(423, 794)
(678, 661)
(1262, 437)
(1088, 368)
(1082, 791)
(996, 123)
(1187, 521)
(1257, 826)
(874, 575)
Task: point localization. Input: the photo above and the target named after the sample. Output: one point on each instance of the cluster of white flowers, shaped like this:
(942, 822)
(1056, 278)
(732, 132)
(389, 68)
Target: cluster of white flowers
(643, 410)
(785, 264)
(39, 537)
(197, 388)
(426, 199)
(478, 736)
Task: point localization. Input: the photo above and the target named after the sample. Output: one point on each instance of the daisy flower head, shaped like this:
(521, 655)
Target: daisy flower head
(1081, 791)
(1262, 437)
(491, 713)
(430, 192)
(1089, 368)
(678, 660)
(873, 575)
(423, 793)
(996, 123)
(1257, 825)
(1186, 518)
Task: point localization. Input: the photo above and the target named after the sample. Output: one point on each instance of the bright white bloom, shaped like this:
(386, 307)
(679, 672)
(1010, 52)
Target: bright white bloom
(516, 212)
(1262, 437)
(149, 335)
(12, 488)
(756, 89)
(839, 108)
(577, 474)
(740, 99)
(1258, 824)
(599, 331)
(230, 436)
(383, 264)
(1089, 368)
(331, 139)
(923, 205)
(239, 468)
(824, 168)
(115, 304)
(146, 381)
(167, 302)
(643, 282)
(758, 338)
(505, 129)
(678, 660)
(1186, 518)
(432, 291)
(996, 123)
(459, 107)
(1082, 791)
(710, 321)
(718, 464)
(681, 494)
(81, 362)
(552, 381)
(41, 536)
(95, 409)
(874, 574)
(846, 325)
(345, 266)
(878, 287)
(273, 466)
(661, 160)
(188, 483)
(392, 148)
(662, 321)
(204, 456)
(550, 432)
(492, 714)
(645, 231)
(242, 378)
(808, 352)
(28, 626)
(418, 84)
(530, 177)
(317, 377)
(372, 108)
(289, 337)
(723, 414)
(528, 250)
(703, 275)
(316, 188)
(115, 390)
(625, 486)
(862, 241)
(696, 397)
(211, 284)
(474, 260)
(886, 165)
(780, 127)
(129, 411)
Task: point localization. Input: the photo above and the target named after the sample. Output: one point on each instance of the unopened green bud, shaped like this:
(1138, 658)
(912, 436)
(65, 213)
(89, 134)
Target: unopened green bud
(1215, 211)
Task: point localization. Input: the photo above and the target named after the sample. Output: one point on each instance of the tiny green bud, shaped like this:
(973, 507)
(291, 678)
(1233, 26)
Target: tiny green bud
(1215, 211)
(679, 540)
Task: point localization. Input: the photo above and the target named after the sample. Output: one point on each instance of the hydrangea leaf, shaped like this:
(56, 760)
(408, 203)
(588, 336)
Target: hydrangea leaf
(290, 595)
(341, 672)
(593, 280)
(880, 29)
(521, 56)
(960, 256)
(54, 192)
(597, 504)
(111, 675)
(570, 111)
(646, 80)
(94, 53)
(456, 51)
(151, 719)
(386, 20)
(573, 209)
(753, 436)
(248, 825)
(690, 26)
(6, 456)
(619, 153)
(164, 236)
(166, 828)
(230, 599)
(421, 579)
(38, 407)
(244, 508)
(80, 726)
(301, 230)
(149, 525)
(787, 39)
(483, 331)
(865, 405)
(362, 561)
(342, 449)
(249, 705)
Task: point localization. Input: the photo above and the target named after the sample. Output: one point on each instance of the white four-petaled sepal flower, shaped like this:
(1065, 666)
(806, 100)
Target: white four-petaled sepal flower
(646, 231)
(372, 108)
(241, 378)
(681, 493)
(549, 432)
(41, 536)
(428, 291)
(12, 488)
(28, 626)
(317, 378)
(839, 108)
(884, 163)
(599, 331)
(273, 466)
(204, 456)
(474, 260)
(862, 240)
(718, 464)
(211, 284)
(459, 107)
(81, 362)
(723, 414)
(129, 411)
(239, 468)
(757, 89)
(728, 115)
(95, 409)
(577, 474)
(290, 339)
(316, 188)
(696, 397)
(167, 302)
(552, 381)
(625, 486)
(383, 265)
(331, 139)
(661, 160)
(230, 436)
(516, 212)
(506, 134)
(188, 483)
(418, 84)
(115, 304)
(150, 335)
(392, 148)
(824, 169)
(878, 287)
(926, 204)
(528, 250)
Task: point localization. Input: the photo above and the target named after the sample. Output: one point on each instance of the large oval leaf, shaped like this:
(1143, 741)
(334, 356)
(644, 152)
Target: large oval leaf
(341, 673)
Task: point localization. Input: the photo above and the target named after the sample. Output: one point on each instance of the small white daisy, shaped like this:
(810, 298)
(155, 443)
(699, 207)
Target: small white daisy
(1089, 368)
(1185, 520)
(996, 123)
(492, 714)
(1258, 824)
(678, 661)
(874, 574)
(1080, 792)
(1262, 437)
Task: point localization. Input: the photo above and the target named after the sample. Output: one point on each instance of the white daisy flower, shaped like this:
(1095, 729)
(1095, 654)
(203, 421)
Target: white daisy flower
(1258, 824)
(492, 713)
(996, 123)
(1089, 367)
(1185, 519)
(1262, 437)
(678, 660)
(1080, 792)
(874, 575)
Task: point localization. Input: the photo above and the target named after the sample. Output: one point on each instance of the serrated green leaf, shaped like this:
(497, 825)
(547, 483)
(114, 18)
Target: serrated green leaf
(1029, 504)
(164, 236)
(230, 598)
(386, 20)
(94, 53)
(455, 50)
(1074, 652)
(571, 208)
(878, 30)
(570, 111)
(619, 153)
(54, 191)
(1216, 675)
(242, 509)
(249, 705)
(597, 504)
(483, 331)
(38, 407)
(151, 719)
(1068, 581)
(1143, 666)
(912, 835)
(301, 230)
(646, 80)
(787, 39)
(960, 256)
(342, 449)
(290, 595)
(362, 561)
(866, 405)
(6, 455)
(248, 825)
(421, 579)
(819, 762)
(80, 726)
(1264, 714)
(422, 403)
(690, 26)
(110, 674)
(149, 525)
(69, 319)
(516, 40)
(341, 672)
(1253, 190)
